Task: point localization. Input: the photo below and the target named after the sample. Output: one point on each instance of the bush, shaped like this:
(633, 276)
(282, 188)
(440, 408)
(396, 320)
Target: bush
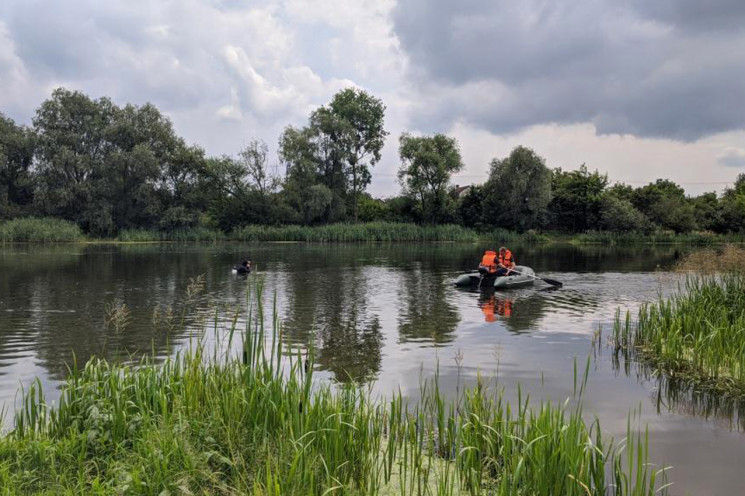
(39, 230)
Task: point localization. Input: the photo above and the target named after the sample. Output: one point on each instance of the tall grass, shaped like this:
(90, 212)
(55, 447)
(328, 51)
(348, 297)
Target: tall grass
(355, 233)
(256, 422)
(178, 235)
(727, 258)
(698, 333)
(660, 237)
(39, 230)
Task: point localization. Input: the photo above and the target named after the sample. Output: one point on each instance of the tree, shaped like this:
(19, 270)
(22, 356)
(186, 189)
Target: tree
(471, 207)
(708, 212)
(109, 168)
(72, 132)
(518, 191)
(361, 135)
(666, 205)
(253, 157)
(733, 206)
(617, 214)
(575, 202)
(427, 162)
(17, 144)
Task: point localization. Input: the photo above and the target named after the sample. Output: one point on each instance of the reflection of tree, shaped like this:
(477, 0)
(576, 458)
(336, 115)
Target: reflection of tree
(59, 296)
(328, 301)
(680, 395)
(427, 315)
(351, 351)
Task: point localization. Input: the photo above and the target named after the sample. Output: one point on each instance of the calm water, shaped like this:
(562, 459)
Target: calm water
(383, 313)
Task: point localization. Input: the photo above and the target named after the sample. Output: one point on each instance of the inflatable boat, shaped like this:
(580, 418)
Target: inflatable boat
(526, 277)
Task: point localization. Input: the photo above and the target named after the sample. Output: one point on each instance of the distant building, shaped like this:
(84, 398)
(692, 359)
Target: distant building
(459, 191)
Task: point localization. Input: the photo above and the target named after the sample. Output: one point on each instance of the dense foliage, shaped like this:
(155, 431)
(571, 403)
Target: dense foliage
(122, 171)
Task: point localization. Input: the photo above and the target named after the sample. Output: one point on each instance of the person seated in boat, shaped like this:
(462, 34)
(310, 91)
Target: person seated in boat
(505, 262)
(488, 265)
(244, 267)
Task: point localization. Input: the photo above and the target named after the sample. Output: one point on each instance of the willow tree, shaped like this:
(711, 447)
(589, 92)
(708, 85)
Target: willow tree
(427, 163)
(518, 191)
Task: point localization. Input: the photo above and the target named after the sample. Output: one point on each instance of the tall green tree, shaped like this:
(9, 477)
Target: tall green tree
(733, 206)
(110, 168)
(427, 163)
(518, 191)
(311, 199)
(576, 199)
(665, 204)
(73, 142)
(17, 144)
(361, 136)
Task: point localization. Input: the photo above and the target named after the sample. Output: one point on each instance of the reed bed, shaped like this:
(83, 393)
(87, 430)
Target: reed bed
(213, 421)
(728, 258)
(355, 233)
(660, 238)
(697, 334)
(179, 235)
(39, 230)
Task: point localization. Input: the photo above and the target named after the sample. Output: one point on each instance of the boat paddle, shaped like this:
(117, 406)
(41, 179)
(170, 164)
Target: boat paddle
(552, 282)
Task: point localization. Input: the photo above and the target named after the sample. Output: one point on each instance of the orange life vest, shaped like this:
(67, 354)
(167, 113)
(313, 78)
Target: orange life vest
(488, 261)
(507, 259)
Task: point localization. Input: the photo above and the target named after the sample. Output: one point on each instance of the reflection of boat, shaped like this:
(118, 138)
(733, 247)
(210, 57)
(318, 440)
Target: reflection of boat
(493, 306)
(525, 277)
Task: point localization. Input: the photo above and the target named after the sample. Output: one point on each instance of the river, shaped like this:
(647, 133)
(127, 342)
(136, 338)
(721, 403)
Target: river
(380, 314)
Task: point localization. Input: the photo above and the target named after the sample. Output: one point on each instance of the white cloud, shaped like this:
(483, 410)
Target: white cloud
(228, 71)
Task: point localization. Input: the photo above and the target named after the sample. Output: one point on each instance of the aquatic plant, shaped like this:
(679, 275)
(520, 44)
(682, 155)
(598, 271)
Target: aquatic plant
(178, 235)
(657, 237)
(39, 230)
(355, 233)
(728, 258)
(242, 414)
(698, 333)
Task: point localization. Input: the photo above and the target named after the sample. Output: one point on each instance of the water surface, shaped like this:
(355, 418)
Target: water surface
(382, 313)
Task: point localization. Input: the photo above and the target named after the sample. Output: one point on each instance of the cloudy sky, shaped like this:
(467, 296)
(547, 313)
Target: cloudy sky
(638, 89)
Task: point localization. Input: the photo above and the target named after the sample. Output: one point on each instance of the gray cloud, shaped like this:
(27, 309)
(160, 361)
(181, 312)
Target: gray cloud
(664, 69)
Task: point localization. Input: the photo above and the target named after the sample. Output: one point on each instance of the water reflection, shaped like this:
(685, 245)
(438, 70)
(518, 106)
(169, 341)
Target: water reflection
(427, 314)
(680, 395)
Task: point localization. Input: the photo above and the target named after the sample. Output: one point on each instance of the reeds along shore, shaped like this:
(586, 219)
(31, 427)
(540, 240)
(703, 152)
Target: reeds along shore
(697, 334)
(49, 230)
(247, 417)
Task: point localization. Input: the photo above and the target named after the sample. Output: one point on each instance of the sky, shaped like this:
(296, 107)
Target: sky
(637, 89)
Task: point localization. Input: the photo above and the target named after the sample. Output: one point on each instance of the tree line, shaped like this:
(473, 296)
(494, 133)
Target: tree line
(110, 168)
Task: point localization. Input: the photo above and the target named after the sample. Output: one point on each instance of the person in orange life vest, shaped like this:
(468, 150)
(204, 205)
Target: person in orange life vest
(487, 307)
(488, 265)
(505, 262)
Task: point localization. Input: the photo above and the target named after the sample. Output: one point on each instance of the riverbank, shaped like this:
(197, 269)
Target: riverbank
(256, 422)
(696, 335)
(48, 230)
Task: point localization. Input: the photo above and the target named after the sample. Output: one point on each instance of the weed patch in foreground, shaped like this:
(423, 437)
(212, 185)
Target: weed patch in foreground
(254, 421)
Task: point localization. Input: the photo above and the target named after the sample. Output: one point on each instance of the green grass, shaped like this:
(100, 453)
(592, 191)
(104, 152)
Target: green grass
(697, 334)
(39, 230)
(355, 233)
(178, 235)
(257, 422)
(660, 238)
